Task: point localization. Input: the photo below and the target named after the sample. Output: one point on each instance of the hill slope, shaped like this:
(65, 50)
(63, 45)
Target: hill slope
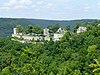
(74, 54)
(7, 24)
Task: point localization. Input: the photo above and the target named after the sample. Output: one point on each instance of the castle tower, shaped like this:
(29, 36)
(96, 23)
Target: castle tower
(46, 31)
(15, 31)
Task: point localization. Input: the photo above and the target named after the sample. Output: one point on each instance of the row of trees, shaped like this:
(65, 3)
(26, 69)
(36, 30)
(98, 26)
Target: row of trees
(30, 29)
(37, 29)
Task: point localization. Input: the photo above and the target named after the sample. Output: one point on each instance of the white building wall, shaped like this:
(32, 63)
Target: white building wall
(15, 32)
(15, 35)
(27, 37)
(47, 38)
(61, 31)
(38, 38)
(57, 36)
(46, 31)
(81, 29)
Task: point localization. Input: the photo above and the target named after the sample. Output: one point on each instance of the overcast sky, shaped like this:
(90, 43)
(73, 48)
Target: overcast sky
(50, 9)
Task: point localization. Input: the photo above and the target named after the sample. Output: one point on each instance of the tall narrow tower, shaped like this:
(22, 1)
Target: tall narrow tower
(15, 31)
(46, 32)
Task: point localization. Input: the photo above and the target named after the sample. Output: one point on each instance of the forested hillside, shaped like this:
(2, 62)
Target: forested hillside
(7, 24)
(74, 54)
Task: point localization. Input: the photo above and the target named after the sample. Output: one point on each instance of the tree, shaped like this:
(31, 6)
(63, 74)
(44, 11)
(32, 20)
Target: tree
(91, 49)
(54, 28)
(67, 27)
(19, 29)
(6, 71)
(37, 29)
(96, 67)
(76, 26)
(30, 29)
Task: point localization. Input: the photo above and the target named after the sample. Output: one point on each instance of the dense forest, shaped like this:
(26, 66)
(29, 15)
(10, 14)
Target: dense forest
(74, 54)
(7, 24)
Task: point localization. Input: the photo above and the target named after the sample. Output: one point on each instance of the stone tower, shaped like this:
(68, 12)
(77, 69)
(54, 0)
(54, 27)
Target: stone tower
(14, 31)
(46, 32)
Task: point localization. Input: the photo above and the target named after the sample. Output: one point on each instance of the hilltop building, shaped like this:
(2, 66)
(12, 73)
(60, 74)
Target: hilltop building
(98, 24)
(46, 32)
(46, 35)
(59, 34)
(15, 31)
(81, 29)
(15, 34)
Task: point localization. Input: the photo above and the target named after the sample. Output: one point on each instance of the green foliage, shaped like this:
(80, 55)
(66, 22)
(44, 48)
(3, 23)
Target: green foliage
(19, 29)
(91, 49)
(53, 28)
(6, 71)
(96, 67)
(29, 29)
(67, 27)
(74, 54)
(36, 29)
(76, 26)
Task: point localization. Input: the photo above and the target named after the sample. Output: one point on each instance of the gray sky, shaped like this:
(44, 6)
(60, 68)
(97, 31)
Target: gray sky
(50, 9)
